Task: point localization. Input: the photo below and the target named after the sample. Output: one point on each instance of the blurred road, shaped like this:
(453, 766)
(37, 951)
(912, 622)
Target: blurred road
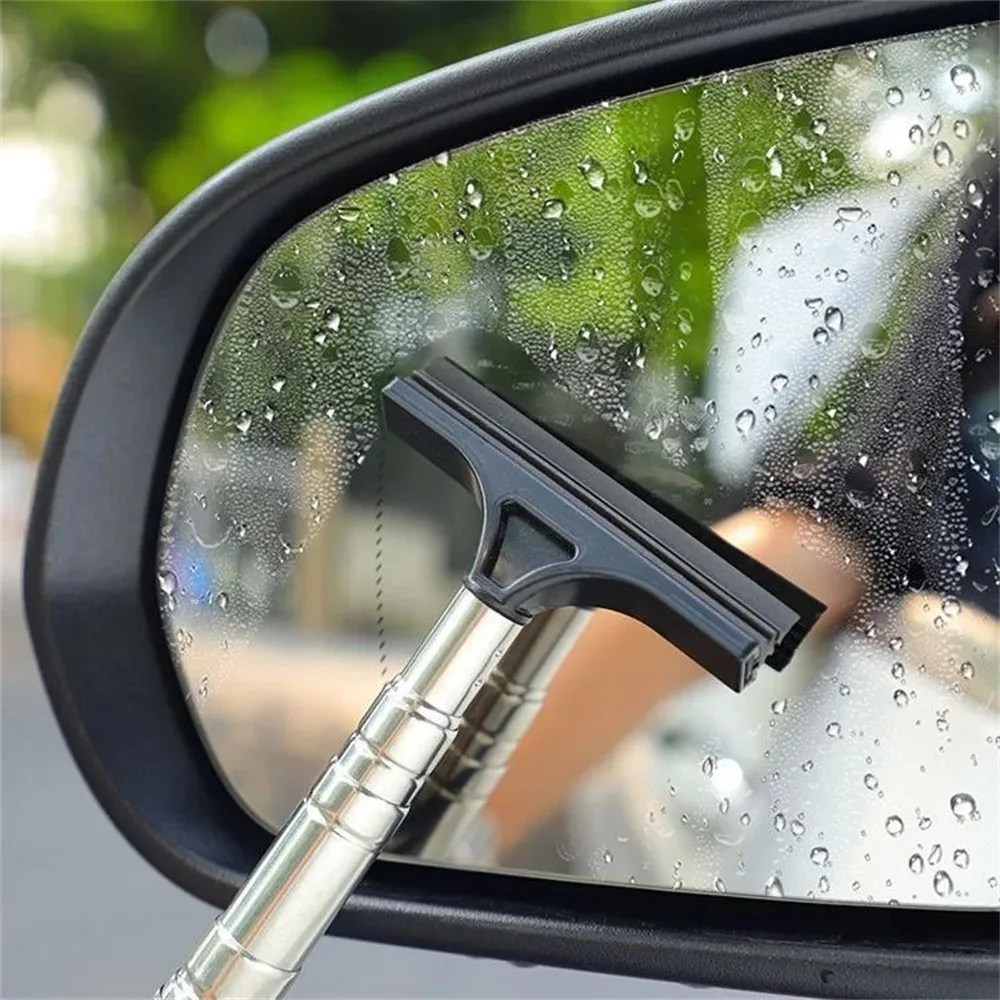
(85, 916)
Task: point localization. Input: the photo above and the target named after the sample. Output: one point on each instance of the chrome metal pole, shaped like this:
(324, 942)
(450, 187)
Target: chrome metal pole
(254, 950)
(449, 814)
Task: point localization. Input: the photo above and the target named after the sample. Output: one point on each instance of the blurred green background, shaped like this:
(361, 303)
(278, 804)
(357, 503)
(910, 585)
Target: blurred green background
(114, 110)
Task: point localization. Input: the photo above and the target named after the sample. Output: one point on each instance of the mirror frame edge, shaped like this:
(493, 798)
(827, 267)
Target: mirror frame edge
(91, 552)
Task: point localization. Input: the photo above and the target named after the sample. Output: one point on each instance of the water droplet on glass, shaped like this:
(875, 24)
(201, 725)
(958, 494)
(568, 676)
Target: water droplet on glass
(967, 670)
(943, 884)
(963, 806)
(824, 883)
(278, 383)
(348, 213)
(674, 195)
(871, 782)
(647, 204)
(168, 583)
(942, 154)
(755, 174)
(779, 822)
(203, 688)
(916, 863)
(834, 319)
(684, 122)
(269, 413)
(607, 857)
(770, 413)
(974, 194)
(588, 344)
(775, 166)
(916, 135)
(745, 421)
(773, 887)
(807, 766)
(778, 382)
(841, 274)
(850, 213)
(821, 335)
(798, 828)
(961, 128)
(901, 698)
(894, 178)
(286, 287)
(935, 856)
(951, 607)
(708, 766)
(724, 806)
(894, 826)
(961, 858)
(720, 886)
(819, 855)
(398, 258)
(963, 77)
(442, 158)
(473, 193)
(593, 172)
(834, 729)
(222, 600)
(876, 345)
(744, 819)
(894, 97)
(652, 281)
(553, 208)
(243, 421)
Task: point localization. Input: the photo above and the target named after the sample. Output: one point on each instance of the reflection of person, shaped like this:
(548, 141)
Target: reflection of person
(619, 670)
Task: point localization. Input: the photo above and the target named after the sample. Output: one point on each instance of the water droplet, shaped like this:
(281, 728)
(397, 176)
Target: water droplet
(720, 886)
(819, 855)
(755, 174)
(961, 128)
(850, 213)
(773, 887)
(269, 413)
(775, 166)
(553, 208)
(286, 287)
(942, 154)
(901, 698)
(168, 583)
(684, 122)
(943, 884)
(877, 340)
(652, 281)
(807, 766)
(871, 782)
(724, 806)
(778, 382)
(841, 274)
(894, 178)
(974, 194)
(894, 826)
(744, 819)
(894, 97)
(279, 383)
(824, 883)
(951, 607)
(967, 670)
(222, 600)
(819, 126)
(961, 858)
(588, 344)
(203, 688)
(963, 806)
(708, 766)
(243, 421)
(916, 135)
(770, 413)
(331, 319)
(798, 828)
(916, 863)
(963, 77)
(745, 421)
(442, 159)
(862, 499)
(648, 204)
(593, 172)
(473, 193)
(779, 822)
(607, 857)
(674, 195)
(821, 335)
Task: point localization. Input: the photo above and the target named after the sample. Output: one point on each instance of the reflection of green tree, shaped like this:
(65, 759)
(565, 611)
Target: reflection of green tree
(598, 225)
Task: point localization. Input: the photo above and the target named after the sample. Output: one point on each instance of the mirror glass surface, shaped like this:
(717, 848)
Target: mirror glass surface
(778, 287)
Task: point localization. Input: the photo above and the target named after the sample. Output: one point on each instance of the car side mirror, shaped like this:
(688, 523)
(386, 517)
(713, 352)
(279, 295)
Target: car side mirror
(754, 250)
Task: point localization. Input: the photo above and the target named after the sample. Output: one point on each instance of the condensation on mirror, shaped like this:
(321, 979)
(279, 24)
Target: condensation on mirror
(780, 286)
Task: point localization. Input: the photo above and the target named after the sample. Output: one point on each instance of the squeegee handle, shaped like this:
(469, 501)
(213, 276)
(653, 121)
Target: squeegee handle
(256, 947)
